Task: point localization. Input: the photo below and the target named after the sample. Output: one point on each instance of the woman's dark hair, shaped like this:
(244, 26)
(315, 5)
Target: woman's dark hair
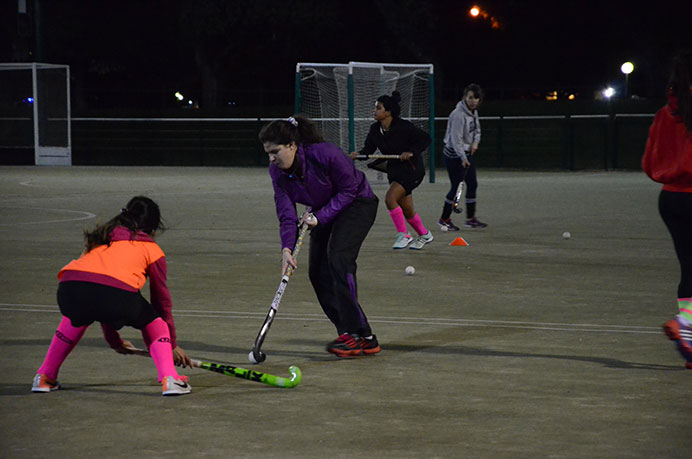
(391, 103)
(298, 129)
(475, 89)
(140, 214)
(680, 81)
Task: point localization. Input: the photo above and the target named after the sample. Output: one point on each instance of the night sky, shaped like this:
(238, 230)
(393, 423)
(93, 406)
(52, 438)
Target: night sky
(137, 53)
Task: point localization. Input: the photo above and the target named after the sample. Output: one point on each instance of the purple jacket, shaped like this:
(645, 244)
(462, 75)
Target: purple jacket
(330, 184)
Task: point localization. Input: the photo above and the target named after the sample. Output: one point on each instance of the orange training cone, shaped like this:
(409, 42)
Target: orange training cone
(459, 241)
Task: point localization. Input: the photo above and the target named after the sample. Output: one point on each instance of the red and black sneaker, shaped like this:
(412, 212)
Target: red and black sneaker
(346, 345)
(370, 345)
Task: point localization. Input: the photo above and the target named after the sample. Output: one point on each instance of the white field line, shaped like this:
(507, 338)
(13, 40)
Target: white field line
(82, 215)
(418, 321)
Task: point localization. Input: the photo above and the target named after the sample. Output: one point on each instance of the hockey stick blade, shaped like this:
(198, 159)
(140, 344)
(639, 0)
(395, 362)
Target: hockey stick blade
(251, 375)
(243, 373)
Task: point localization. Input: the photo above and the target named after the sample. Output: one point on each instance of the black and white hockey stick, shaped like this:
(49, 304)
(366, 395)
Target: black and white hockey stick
(256, 355)
(243, 373)
(457, 198)
(378, 157)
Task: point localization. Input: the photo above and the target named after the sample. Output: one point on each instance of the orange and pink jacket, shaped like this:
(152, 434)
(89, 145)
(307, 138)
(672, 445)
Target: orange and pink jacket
(126, 263)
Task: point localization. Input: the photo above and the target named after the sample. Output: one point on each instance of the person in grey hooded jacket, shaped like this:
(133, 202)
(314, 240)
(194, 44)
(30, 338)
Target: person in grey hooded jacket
(461, 141)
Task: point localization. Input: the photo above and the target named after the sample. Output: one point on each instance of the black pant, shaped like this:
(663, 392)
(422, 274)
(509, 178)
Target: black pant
(676, 211)
(457, 174)
(86, 302)
(333, 252)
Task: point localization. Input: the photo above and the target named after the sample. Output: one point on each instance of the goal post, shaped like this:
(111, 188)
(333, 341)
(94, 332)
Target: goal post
(340, 99)
(35, 114)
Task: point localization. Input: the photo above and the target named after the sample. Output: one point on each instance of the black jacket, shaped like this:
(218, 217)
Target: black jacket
(401, 137)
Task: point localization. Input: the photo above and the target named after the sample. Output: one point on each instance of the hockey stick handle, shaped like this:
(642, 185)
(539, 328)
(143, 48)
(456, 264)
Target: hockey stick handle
(243, 373)
(378, 157)
(299, 242)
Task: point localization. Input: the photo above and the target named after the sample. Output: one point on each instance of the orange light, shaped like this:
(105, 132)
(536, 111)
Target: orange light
(477, 12)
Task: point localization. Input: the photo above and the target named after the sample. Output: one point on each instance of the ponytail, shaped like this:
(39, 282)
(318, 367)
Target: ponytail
(140, 214)
(297, 128)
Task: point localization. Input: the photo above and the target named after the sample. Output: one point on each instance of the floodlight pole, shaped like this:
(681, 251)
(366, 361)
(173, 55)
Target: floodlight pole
(627, 68)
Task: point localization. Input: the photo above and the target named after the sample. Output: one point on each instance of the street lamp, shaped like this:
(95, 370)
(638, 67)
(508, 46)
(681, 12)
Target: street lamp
(608, 92)
(627, 68)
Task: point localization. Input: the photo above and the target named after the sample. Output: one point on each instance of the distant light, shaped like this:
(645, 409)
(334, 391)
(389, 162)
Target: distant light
(475, 11)
(627, 68)
(571, 97)
(608, 93)
(29, 100)
(179, 96)
(189, 102)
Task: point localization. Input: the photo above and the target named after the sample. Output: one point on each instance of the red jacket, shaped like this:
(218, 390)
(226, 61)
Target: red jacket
(668, 154)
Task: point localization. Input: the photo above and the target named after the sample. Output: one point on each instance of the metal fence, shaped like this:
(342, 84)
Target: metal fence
(570, 142)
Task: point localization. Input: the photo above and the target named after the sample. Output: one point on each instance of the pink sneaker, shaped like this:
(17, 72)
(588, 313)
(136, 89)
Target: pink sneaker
(681, 334)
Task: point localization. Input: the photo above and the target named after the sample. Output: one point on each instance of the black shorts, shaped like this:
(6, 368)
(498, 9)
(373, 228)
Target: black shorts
(86, 302)
(408, 180)
(408, 174)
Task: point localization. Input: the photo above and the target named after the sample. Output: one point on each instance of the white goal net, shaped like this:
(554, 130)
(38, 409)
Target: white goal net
(340, 98)
(35, 124)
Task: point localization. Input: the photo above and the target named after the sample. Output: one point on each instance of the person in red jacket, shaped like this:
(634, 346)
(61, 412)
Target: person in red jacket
(103, 285)
(668, 160)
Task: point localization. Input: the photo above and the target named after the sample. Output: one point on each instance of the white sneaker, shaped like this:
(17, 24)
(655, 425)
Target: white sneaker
(172, 386)
(421, 241)
(402, 240)
(43, 383)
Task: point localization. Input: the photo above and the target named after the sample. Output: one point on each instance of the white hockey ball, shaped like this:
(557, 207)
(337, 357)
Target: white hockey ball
(444, 228)
(410, 270)
(566, 235)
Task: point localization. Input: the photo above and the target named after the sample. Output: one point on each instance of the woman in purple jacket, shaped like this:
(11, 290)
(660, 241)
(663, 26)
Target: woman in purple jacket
(304, 169)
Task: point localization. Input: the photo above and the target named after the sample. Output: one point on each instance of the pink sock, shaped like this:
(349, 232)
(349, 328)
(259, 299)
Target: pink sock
(65, 339)
(417, 225)
(398, 219)
(158, 339)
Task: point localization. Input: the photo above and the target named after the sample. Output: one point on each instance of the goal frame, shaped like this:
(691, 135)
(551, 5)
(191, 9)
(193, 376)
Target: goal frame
(350, 99)
(47, 155)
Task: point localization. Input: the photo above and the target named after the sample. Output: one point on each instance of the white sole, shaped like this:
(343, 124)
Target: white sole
(410, 241)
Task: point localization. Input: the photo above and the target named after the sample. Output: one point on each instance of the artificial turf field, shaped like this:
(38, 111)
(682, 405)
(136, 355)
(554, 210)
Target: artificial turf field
(521, 345)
